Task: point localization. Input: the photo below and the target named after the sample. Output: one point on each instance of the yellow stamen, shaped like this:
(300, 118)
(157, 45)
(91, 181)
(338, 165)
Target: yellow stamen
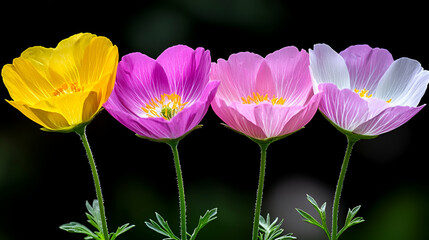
(364, 93)
(258, 98)
(66, 89)
(167, 106)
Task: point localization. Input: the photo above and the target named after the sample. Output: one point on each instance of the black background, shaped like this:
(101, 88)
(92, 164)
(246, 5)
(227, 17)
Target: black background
(45, 178)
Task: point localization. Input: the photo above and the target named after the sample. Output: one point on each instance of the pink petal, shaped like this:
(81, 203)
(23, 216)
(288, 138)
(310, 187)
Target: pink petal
(264, 81)
(343, 107)
(387, 120)
(235, 119)
(366, 65)
(187, 70)
(290, 70)
(242, 70)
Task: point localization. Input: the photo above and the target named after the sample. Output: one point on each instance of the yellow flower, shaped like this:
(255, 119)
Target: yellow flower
(63, 88)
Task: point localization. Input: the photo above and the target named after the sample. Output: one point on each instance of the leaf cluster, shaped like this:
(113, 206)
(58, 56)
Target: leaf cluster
(351, 220)
(271, 231)
(94, 218)
(162, 227)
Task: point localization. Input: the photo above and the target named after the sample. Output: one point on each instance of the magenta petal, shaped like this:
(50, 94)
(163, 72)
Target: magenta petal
(191, 116)
(387, 120)
(187, 70)
(290, 69)
(343, 107)
(139, 79)
(366, 65)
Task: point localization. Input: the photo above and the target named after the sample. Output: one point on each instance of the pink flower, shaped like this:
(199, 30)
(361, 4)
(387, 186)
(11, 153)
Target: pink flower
(265, 97)
(365, 91)
(163, 98)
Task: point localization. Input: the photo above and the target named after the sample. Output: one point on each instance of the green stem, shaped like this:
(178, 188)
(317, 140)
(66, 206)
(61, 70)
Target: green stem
(350, 143)
(173, 144)
(82, 133)
(263, 147)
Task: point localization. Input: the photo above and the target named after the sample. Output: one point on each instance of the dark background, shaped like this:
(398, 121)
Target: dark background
(45, 178)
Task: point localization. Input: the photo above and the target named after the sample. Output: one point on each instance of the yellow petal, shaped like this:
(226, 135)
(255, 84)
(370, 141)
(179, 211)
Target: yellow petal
(49, 120)
(71, 107)
(100, 59)
(24, 82)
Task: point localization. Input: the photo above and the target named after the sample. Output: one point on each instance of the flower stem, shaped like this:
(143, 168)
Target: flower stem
(173, 144)
(82, 133)
(263, 146)
(350, 143)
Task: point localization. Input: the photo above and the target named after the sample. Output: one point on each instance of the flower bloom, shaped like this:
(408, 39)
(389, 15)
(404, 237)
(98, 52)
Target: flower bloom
(162, 98)
(265, 97)
(365, 91)
(63, 88)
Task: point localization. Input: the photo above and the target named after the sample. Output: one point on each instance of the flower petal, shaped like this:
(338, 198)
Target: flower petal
(187, 70)
(49, 120)
(327, 66)
(264, 80)
(139, 80)
(366, 65)
(290, 70)
(235, 119)
(387, 120)
(343, 107)
(404, 83)
(238, 75)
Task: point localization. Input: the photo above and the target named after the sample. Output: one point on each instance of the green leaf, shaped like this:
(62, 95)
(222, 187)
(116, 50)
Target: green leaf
(308, 218)
(120, 230)
(209, 216)
(75, 227)
(272, 231)
(322, 213)
(161, 228)
(94, 218)
(351, 220)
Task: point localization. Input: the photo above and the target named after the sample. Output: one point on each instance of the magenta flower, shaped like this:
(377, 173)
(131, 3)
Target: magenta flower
(163, 98)
(265, 97)
(365, 91)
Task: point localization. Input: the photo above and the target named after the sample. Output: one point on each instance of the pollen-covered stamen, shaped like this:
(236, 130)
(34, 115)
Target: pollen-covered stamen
(67, 88)
(258, 98)
(364, 93)
(167, 106)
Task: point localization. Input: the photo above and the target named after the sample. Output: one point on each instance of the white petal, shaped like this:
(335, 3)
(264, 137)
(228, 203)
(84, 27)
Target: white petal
(327, 66)
(404, 82)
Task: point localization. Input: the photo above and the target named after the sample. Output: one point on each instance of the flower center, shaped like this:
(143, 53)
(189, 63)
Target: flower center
(167, 106)
(258, 98)
(67, 88)
(364, 94)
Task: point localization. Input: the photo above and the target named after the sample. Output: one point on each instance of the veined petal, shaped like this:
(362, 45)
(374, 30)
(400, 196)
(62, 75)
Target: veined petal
(343, 107)
(241, 71)
(273, 118)
(47, 119)
(187, 70)
(366, 65)
(290, 70)
(235, 119)
(71, 106)
(404, 83)
(25, 83)
(387, 120)
(264, 80)
(140, 79)
(327, 66)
